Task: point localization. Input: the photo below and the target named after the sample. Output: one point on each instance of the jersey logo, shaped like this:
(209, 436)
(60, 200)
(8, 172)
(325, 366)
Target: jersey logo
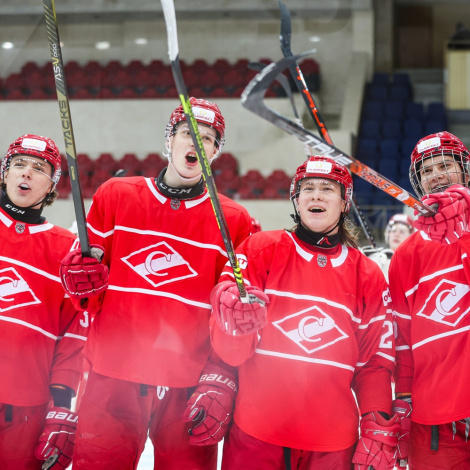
(15, 291)
(159, 264)
(311, 329)
(448, 303)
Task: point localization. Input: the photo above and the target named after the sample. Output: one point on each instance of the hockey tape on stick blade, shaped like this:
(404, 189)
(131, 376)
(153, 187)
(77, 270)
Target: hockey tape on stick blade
(253, 99)
(170, 22)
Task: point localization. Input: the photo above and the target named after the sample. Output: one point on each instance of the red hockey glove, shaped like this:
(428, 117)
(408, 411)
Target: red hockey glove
(402, 408)
(234, 317)
(84, 276)
(57, 439)
(211, 406)
(452, 218)
(377, 446)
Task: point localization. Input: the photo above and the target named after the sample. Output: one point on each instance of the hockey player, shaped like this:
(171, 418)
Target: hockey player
(317, 329)
(149, 344)
(429, 283)
(41, 334)
(399, 228)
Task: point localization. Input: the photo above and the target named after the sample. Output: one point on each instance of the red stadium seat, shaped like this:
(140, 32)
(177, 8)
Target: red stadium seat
(227, 182)
(252, 185)
(225, 161)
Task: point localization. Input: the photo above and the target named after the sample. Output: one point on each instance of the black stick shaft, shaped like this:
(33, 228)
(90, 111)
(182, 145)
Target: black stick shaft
(66, 121)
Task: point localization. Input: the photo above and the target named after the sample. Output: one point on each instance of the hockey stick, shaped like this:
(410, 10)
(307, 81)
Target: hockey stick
(252, 99)
(173, 52)
(285, 39)
(67, 130)
(258, 66)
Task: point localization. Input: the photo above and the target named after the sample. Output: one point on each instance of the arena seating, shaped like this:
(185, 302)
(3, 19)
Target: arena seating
(225, 169)
(391, 125)
(134, 80)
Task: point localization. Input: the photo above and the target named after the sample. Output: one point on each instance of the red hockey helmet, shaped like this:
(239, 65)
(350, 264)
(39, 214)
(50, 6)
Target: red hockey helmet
(318, 166)
(433, 145)
(205, 112)
(36, 146)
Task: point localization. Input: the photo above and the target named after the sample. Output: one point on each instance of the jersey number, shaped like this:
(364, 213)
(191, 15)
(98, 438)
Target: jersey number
(386, 343)
(85, 322)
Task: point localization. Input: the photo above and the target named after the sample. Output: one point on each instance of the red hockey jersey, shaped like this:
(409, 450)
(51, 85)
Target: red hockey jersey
(329, 330)
(429, 284)
(41, 334)
(164, 257)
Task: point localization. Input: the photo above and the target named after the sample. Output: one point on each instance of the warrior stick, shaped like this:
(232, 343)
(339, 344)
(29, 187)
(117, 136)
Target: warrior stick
(285, 40)
(252, 99)
(173, 52)
(67, 130)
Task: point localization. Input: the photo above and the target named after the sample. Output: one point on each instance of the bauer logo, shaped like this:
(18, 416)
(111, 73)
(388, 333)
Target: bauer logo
(159, 264)
(15, 291)
(311, 329)
(319, 167)
(202, 114)
(448, 303)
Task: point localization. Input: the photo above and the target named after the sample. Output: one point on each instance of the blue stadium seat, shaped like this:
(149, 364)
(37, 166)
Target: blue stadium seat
(375, 92)
(363, 191)
(435, 125)
(413, 128)
(400, 78)
(414, 110)
(389, 149)
(370, 128)
(407, 146)
(372, 110)
(391, 129)
(367, 151)
(381, 78)
(394, 110)
(400, 93)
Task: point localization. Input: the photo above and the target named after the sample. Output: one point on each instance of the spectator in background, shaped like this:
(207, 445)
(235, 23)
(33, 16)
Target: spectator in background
(399, 228)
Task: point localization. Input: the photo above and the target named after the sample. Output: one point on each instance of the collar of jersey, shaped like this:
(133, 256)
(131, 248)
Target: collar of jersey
(188, 203)
(335, 255)
(31, 228)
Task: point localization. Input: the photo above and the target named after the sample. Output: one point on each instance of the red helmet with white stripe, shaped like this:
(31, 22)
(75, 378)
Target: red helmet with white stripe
(36, 146)
(434, 145)
(205, 112)
(318, 166)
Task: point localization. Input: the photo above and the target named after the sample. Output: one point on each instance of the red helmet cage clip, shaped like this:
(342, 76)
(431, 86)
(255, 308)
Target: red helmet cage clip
(36, 146)
(318, 166)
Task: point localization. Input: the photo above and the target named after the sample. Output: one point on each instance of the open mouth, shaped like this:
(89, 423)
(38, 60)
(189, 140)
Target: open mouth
(24, 186)
(191, 159)
(316, 210)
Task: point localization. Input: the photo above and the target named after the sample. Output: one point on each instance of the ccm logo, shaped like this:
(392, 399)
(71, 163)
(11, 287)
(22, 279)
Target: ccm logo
(63, 416)
(219, 379)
